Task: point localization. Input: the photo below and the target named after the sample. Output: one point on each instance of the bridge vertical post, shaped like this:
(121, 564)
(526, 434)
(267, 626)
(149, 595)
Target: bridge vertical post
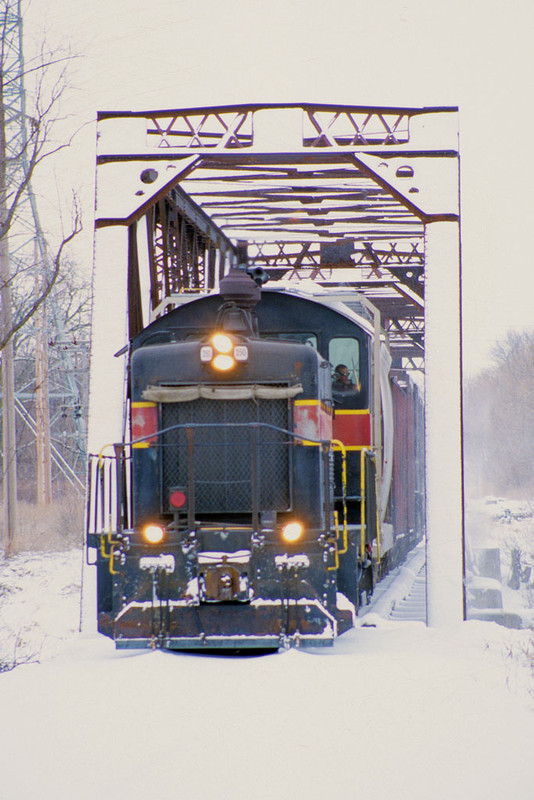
(443, 425)
(107, 373)
(109, 335)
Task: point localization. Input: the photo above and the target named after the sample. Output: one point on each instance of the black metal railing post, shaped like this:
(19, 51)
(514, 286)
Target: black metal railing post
(191, 479)
(255, 481)
(119, 482)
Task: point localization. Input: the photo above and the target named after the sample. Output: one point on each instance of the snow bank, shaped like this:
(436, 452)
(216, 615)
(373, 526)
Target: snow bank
(505, 525)
(399, 711)
(39, 605)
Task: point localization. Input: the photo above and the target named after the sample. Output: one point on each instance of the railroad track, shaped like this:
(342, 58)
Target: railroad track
(412, 607)
(401, 595)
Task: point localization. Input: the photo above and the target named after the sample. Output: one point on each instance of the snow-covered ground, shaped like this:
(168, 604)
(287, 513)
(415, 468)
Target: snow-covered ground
(507, 526)
(397, 710)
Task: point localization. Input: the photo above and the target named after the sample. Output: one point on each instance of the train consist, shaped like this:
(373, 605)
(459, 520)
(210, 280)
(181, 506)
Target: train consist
(271, 472)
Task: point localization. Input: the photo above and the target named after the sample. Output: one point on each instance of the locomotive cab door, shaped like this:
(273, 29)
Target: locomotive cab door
(350, 360)
(352, 418)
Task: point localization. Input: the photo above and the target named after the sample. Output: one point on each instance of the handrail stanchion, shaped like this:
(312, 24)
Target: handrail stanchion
(339, 446)
(254, 486)
(363, 509)
(191, 480)
(119, 450)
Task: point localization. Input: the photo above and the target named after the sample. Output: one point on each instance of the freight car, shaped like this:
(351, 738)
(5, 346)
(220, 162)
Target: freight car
(272, 470)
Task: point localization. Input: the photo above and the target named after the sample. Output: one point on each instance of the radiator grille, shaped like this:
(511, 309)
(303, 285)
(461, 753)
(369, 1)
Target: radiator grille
(223, 456)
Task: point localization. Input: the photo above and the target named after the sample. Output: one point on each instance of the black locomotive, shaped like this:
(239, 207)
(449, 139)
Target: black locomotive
(252, 506)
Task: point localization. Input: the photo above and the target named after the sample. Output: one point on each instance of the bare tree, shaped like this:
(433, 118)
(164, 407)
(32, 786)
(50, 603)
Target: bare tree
(26, 140)
(499, 416)
(68, 355)
(20, 157)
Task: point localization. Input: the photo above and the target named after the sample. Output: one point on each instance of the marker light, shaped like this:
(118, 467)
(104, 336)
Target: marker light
(222, 343)
(206, 353)
(153, 534)
(292, 531)
(223, 362)
(241, 352)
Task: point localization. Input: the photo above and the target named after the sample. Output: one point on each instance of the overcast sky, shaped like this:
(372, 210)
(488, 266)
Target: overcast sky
(476, 54)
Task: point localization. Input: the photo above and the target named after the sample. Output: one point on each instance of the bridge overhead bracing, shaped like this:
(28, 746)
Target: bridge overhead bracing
(340, 195)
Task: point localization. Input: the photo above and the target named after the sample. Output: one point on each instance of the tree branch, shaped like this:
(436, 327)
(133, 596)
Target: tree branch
(41, 297)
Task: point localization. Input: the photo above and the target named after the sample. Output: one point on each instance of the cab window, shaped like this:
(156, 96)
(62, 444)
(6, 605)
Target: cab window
(344, 356)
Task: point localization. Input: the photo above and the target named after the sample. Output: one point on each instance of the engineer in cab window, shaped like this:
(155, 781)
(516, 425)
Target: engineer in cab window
(342, 380)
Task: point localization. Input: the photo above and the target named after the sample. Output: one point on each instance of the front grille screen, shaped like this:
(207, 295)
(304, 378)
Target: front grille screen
(222, 459)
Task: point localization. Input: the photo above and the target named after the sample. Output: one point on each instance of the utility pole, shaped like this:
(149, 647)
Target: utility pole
(27, 254)
(48, 319)
(42, 406)
(9, 444)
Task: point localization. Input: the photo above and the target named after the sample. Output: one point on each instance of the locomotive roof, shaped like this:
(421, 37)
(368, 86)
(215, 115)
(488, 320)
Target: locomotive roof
(349, 304)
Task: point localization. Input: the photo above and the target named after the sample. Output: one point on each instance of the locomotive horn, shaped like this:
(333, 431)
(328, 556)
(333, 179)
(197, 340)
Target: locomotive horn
(258, 275)
(239, 287)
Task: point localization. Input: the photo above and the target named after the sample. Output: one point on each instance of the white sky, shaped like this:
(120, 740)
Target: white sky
(476, 54)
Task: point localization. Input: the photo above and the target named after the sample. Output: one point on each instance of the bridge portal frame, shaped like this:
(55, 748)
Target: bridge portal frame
(346, 196)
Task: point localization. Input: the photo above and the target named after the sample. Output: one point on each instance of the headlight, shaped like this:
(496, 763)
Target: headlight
(222, 343)
(292, 532)
(222, 352)
(153, 534)
(223, 363)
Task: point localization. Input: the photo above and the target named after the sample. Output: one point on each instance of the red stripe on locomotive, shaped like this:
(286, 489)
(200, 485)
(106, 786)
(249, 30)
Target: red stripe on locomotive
(312, 420)
(353, 428)
(144, 418)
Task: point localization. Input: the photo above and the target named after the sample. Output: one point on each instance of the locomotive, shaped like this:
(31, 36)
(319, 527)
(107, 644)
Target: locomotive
(267, 478)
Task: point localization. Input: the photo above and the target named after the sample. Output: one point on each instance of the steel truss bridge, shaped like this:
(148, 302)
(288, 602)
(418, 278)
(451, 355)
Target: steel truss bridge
(339, 195)
(352, 198)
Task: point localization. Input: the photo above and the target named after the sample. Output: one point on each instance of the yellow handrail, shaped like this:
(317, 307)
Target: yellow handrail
(338, 445)
(336, 552)
(111, 553)
(103, 537)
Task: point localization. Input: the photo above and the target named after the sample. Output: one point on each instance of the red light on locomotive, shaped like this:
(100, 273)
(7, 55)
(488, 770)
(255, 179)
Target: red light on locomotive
(177, 499)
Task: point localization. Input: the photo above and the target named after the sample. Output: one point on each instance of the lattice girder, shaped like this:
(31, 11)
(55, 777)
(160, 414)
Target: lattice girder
(339, 195)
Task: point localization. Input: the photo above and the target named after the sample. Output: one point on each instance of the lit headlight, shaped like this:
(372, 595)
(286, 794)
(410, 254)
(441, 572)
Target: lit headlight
(222, 343)
(292, 532)
(223, 363)
(223, 353)
(153, 534)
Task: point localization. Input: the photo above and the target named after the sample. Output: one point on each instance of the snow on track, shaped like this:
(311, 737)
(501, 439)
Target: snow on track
(401, 595)
(412, 606)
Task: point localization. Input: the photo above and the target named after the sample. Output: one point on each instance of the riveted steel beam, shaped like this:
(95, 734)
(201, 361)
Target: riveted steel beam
(339, 194)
